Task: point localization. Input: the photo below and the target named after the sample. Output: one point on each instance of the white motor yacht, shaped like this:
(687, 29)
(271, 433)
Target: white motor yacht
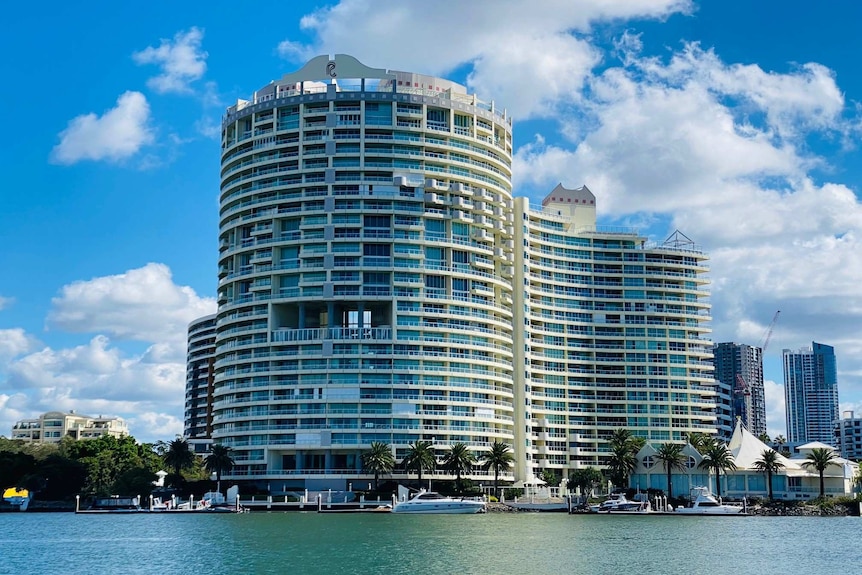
(619, 503)
(704, 503)
(431, 502)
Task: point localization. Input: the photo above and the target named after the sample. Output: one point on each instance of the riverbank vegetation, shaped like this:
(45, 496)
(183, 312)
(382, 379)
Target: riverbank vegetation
(99, 467)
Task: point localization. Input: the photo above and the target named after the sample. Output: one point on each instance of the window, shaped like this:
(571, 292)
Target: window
(438, 282)
(376, 249)
(376, 221)
(375, 278)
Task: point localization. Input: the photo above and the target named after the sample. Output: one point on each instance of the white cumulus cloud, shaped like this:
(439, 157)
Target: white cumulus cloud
(14, 342)
(116, 135)
(182, 61)
(141, 304)
(103, 376)
(530, 57)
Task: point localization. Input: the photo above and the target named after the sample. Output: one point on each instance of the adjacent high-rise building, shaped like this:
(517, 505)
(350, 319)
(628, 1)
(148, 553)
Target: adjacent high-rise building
(811, 394)
(739, 371)
(614, 335)
(379, 283)
(848, 433)
(199, 382)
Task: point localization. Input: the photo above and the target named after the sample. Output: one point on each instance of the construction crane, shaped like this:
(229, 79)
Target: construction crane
(769, 333)
(741, 386)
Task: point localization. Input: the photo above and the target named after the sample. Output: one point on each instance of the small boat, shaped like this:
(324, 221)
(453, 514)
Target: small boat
(15, 499)
(617, 503)
(704, 503)
(432, 502)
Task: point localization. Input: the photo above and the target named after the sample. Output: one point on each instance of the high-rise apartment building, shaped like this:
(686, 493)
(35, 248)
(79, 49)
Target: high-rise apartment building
(377, 282)
(811, 394)
(614, 335)
(848, 434)
(199, 382)
(739, 370)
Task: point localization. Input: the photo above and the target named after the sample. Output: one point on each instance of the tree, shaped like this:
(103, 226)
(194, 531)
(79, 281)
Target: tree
(623, 457)
(218, 461)
(672, 457)
(179, 455)
(820, 458)
(378, 459)
(764, 437)
(717, 458)
(420, 457)
(700, 441)
(769, 464)
(499, 459)
(550, 477)
(459, 459)
(586, 480)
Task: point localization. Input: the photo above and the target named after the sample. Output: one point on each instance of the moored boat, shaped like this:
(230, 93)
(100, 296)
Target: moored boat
(432, 502)
(704, 503)
(15, 499)
(618, 503)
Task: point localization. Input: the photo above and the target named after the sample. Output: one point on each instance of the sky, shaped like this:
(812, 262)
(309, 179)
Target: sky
(735, 122)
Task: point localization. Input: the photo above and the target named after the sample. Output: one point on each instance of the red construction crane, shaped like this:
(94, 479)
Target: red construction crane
(741, 387)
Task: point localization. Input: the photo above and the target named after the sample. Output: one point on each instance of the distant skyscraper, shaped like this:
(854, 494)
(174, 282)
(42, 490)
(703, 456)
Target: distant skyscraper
(811, 393)
(739, 369)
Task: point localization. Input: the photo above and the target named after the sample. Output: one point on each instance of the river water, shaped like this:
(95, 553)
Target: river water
(493, 543)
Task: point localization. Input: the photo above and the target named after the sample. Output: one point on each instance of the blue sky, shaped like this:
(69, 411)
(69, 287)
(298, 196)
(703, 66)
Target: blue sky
(736, 122)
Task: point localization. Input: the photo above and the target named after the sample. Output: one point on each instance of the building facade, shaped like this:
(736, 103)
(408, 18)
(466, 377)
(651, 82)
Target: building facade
(794, 481)
(614, 335)
(379, 282)
(848, 434)
(53, 426)
(739, 370)
(811, 394)
(365, 271)
(200, 361)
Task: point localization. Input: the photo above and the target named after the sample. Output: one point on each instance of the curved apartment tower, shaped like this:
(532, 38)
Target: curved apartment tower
(365, 272)
(200, 356)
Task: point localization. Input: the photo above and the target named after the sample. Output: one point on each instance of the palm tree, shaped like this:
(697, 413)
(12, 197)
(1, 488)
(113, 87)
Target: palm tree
(420, 457)
(179, 455)
(769, 464)
(700, 441)
(623, 458)
(459, 459)
(764, 437)
(820, 458)
(499, 459)
(378, 459)
(671, 455)
(717, 457)
(217, 461)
